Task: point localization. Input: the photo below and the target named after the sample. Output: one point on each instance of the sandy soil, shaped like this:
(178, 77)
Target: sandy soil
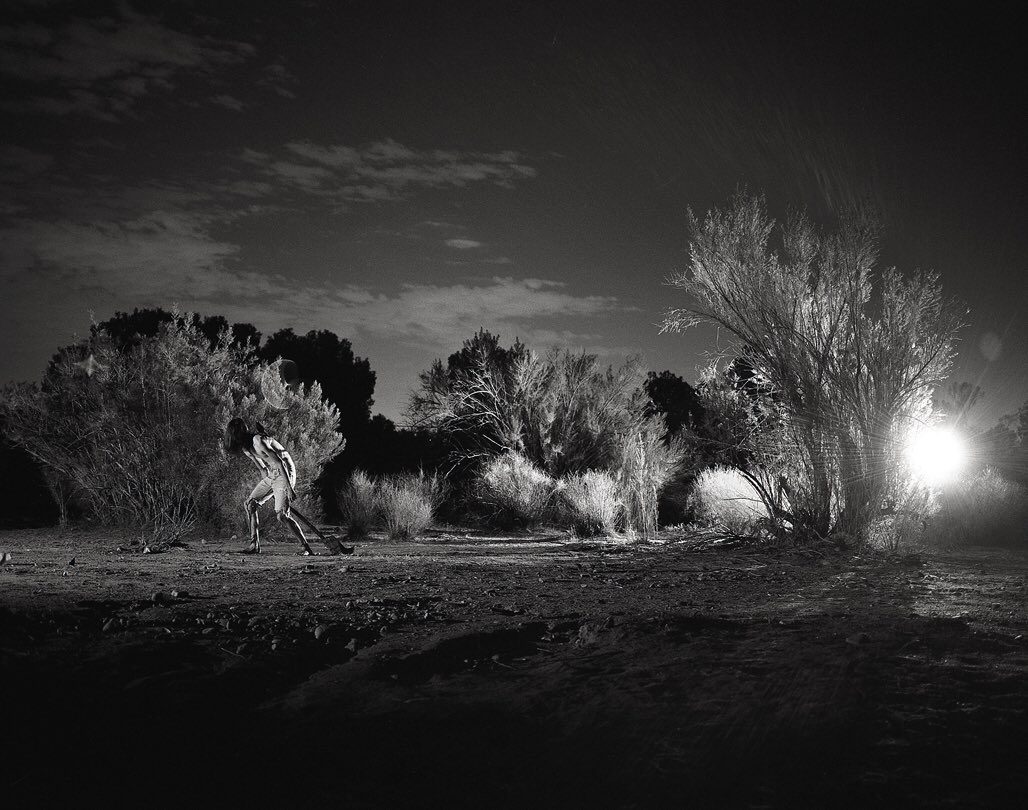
(475, 671)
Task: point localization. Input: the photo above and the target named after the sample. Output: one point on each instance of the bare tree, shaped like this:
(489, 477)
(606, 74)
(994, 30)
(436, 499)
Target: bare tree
(852, 351)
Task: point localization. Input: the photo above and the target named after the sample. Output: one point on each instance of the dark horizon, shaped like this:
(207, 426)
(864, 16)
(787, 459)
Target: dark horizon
(404, 176)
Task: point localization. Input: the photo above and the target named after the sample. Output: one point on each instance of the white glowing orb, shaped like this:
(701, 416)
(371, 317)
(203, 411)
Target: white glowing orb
(936, 455)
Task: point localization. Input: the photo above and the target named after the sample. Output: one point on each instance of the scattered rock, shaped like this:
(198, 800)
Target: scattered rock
(587, 634)
(276, 643)
(147, 550)
(245, 648)
(5, 557)
(208, 631)
(322, 631)
(71, 561)
(351, 645)
(109, 625)
(178, 594)
(858, 638)
(160, 598)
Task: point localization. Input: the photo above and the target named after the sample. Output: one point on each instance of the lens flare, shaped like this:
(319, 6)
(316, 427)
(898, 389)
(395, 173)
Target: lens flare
(936, 455)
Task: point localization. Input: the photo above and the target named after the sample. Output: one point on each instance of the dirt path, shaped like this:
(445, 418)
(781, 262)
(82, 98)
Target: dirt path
(485, 671)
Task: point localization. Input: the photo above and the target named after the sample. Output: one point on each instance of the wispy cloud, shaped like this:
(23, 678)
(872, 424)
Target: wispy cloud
(102, 66)
(169, 256)
(228, 102)
(279, 79)
(385, 170)
(463, 244)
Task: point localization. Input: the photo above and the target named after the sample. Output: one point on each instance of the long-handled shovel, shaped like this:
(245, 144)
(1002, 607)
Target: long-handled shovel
(334, 545)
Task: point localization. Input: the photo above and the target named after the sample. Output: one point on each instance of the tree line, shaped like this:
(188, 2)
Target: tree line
(836, 359)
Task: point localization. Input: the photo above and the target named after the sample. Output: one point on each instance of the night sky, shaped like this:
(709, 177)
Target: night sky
(403, 174)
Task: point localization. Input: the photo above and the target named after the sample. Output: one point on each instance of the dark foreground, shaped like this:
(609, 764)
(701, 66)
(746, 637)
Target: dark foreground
(490, 672)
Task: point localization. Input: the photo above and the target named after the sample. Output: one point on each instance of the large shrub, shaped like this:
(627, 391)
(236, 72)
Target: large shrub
(851, 351)
(133, 433)
(562, 413)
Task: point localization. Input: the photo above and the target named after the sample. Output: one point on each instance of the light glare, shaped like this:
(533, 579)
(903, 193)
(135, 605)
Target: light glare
(936, 455)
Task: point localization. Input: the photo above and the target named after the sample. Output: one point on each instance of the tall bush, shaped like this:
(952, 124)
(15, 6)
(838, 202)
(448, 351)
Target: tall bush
(852, 352)
(562, 414)
(134, 432)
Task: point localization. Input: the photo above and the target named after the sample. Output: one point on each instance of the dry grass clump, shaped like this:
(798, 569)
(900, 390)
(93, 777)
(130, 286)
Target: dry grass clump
(723, 499)
(515, 491)
(359, 505)
(408, 503)
(403, 505)
(591, 503)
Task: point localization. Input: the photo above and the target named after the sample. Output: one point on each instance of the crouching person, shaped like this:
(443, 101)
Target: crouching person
(278, 481)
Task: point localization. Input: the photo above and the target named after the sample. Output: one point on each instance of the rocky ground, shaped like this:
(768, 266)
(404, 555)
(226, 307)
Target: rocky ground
(475, 671)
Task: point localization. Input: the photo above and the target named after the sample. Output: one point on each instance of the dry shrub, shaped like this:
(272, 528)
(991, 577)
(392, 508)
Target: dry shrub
(404, 505)
(984, 510)
(521, 421)
(725, 500)
(515, 491)
(851, 351)
(407, 504)
(591, 502)
(648, 464)
(359, 505)
(138, 441)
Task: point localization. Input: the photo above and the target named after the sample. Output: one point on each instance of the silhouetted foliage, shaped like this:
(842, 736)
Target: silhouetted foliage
(24, 486)
(673, 397)
(346, 381)
(127, 329)
(1005, 446)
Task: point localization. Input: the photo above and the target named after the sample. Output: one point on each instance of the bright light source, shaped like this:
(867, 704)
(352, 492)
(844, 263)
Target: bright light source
(936, 455)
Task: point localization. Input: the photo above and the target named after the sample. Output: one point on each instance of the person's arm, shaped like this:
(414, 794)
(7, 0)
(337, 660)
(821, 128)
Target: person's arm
(274, 450)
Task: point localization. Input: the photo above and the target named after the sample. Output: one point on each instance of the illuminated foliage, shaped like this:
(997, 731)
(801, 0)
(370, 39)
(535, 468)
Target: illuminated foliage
(851, 351)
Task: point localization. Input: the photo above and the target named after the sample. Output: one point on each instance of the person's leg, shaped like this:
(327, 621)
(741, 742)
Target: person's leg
(282, 513)
(260, 493)
(286, 517)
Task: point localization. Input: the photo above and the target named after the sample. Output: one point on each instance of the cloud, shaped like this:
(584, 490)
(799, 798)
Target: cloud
(385, 170)
(102, 66)
(228, 102)
(463, 244)
(279, 79)
(169, 256)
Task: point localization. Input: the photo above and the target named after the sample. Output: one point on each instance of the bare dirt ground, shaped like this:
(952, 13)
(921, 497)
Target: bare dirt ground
(474, 671)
